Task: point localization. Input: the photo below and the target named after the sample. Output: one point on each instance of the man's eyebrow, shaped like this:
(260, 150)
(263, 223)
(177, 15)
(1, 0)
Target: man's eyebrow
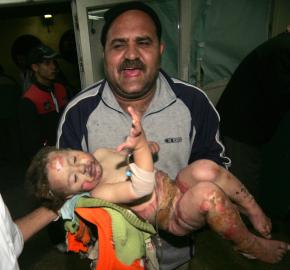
(137, 39)
(142, 38)
(118, 40)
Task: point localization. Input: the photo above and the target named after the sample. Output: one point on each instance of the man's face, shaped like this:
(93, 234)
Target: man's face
(132, 55)
(45, 72)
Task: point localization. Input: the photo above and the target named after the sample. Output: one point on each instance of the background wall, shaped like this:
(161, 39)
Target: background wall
(13, 25)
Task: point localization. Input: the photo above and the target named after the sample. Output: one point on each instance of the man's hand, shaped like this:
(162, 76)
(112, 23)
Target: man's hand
(154, 147)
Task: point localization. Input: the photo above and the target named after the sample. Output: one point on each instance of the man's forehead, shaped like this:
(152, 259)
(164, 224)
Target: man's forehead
(132, 16)
(141, 26)
(118, 10)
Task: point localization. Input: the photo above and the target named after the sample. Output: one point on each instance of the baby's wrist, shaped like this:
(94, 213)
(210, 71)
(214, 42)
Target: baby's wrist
(141, 146)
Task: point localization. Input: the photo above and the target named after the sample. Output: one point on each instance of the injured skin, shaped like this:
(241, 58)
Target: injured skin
(252, 210)
(181, 212)
(233, 188)
(224, 219)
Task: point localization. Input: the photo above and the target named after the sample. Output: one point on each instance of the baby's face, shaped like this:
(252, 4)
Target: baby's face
(73, 171)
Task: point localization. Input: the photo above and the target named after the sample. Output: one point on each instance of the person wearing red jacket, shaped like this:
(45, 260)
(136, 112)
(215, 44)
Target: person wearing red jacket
(42, 103)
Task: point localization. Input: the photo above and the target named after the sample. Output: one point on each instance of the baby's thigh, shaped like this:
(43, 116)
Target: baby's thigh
(186, 215)
(185, 178)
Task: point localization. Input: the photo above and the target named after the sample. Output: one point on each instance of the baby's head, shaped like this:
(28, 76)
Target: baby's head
(37, 179)
(57, 174)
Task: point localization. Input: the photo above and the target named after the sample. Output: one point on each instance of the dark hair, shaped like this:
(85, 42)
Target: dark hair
(37, 181)
(22, 46)
(118, 9)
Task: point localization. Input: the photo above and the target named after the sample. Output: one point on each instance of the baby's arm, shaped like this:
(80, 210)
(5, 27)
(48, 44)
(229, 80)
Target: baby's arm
(138, 144)
(122, 192)
(142, 170)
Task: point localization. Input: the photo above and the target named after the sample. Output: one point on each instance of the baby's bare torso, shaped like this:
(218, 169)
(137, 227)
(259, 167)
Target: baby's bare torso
(114, 165)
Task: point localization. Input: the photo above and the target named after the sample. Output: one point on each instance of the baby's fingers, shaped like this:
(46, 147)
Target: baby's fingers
(136, 124)
(134, 115)
(122, 146)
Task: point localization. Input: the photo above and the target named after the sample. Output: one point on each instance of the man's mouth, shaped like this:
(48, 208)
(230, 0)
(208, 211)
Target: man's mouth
(131, 72)
(128, 65)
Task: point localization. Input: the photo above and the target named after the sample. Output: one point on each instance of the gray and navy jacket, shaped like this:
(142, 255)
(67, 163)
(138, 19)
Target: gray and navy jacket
(180, 118)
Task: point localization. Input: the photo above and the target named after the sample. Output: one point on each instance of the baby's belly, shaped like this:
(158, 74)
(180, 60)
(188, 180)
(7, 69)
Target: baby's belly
(147, 210)
(162, 207)
(159, 207)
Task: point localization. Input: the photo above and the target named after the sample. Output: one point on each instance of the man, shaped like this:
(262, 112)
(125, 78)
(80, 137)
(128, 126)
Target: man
(13, 234)
(176, 115)
(251, 107)
(42, 103)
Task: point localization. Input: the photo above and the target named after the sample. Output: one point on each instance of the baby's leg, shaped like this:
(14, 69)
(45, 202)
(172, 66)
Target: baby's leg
(205, 203)
(206, 170)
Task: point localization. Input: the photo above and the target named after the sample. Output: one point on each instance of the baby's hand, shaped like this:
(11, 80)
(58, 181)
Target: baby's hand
(136, 138)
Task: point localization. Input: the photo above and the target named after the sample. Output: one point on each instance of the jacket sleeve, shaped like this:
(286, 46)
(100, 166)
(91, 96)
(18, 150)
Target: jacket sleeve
(207, 143)
(71, 130)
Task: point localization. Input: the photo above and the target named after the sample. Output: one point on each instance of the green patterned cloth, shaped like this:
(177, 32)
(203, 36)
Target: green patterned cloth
(131, 235)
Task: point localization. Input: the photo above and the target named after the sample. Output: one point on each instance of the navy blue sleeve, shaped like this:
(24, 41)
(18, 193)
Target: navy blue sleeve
(207, 144)
(72, 130)
(205, 125)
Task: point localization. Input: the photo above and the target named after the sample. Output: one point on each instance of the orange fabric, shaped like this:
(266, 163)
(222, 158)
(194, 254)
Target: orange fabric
(107, 259)
(73, 244)
(78, 242)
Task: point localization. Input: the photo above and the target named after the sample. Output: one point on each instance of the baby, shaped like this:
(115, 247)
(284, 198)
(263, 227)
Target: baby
(197, 197)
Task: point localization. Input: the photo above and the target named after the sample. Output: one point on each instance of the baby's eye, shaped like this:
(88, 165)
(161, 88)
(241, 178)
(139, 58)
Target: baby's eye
(75, 159)
(75, 178)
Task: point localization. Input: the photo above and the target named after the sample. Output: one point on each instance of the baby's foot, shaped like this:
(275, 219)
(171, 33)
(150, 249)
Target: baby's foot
(255, 214)
(270, 251)
(260, 221)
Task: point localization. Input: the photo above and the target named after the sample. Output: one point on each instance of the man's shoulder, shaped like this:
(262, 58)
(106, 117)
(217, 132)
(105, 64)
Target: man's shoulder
(189, 93)
(86, 97)
(33, 93)
(182, 87)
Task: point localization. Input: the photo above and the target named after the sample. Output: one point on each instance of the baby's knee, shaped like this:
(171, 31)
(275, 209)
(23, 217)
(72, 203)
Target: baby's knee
(208, 194)
(204, 189)
(205, 170)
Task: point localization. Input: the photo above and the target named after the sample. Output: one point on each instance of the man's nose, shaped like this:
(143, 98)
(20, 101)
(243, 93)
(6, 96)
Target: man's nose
(132, 52)
(53, 65)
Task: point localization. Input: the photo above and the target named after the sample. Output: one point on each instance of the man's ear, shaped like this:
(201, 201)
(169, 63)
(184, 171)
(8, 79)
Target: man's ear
(161, 48)
(34, 67)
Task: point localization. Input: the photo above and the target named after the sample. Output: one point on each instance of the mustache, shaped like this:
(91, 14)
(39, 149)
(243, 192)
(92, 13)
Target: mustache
(132, 64)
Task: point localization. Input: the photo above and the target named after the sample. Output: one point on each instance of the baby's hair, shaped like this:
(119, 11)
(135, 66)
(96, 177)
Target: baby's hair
(37, 179)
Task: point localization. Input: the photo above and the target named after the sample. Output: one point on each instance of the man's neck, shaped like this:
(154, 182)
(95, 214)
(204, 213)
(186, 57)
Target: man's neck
(42, 86)
(43, 81)
(140, 105)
